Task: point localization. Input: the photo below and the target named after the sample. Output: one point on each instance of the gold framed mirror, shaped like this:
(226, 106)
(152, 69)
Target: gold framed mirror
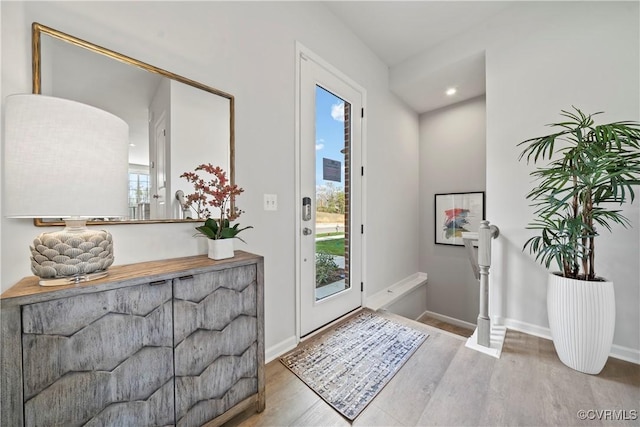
(175, 123)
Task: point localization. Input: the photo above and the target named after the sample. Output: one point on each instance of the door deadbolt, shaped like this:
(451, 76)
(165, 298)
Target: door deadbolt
(306, 208)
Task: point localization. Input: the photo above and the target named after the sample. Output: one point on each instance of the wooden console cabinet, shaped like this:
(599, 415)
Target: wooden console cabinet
(173, 342)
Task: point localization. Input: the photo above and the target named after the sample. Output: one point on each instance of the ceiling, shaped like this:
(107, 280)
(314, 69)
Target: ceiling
(397, 31)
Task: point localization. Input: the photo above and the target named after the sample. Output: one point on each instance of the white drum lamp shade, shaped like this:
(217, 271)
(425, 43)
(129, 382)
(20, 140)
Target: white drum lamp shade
(64, 159)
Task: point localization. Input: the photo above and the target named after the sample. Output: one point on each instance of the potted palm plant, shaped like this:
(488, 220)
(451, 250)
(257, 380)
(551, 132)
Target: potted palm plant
(589, 170)
(215, 192)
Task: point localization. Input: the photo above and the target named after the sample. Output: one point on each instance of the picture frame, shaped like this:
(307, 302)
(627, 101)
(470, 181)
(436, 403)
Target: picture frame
(456, 213)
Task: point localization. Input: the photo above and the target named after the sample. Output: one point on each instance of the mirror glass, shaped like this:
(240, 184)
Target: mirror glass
(174, 123)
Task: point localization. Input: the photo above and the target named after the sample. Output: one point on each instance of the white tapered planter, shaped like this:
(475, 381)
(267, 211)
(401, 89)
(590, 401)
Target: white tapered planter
(220, 248)
(582, 317)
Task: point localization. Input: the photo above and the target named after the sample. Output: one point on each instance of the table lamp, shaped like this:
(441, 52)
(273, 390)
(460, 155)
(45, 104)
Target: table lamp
(66, 160)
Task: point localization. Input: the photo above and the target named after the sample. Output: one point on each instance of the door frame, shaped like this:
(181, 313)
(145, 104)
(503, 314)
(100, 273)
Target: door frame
(302, 51)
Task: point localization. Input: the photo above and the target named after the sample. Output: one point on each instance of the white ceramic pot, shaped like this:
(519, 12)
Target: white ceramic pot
(220, 248)
(582, 318)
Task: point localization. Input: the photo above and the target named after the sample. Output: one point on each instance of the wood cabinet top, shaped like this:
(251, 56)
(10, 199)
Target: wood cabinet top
(28, 291)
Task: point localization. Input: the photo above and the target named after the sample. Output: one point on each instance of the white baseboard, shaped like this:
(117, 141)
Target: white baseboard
(395, 292)
(625, 353)
(528, 328)
(450, 320)
(617, 351)
(279, 349)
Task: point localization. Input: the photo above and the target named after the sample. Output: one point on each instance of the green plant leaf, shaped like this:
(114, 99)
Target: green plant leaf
(592, 167)
(208, 232)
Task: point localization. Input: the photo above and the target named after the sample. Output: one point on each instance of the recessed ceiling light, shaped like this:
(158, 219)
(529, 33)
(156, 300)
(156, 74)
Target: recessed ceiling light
(132, 145)
(451, 91)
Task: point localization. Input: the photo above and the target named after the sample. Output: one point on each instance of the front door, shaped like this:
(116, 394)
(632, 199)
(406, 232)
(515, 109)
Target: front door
(330, 169)
(158, 169)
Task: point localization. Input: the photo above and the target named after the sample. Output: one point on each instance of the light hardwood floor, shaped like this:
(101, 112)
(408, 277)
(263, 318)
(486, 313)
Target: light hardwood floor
(458, 330)
(445, 383)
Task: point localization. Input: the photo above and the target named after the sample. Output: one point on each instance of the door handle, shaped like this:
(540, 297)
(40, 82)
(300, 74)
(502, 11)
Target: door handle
(307, 231)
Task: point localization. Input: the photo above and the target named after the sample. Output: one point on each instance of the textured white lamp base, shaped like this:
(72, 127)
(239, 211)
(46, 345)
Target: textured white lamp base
(74, 254)
(73, 280)
(582, 318)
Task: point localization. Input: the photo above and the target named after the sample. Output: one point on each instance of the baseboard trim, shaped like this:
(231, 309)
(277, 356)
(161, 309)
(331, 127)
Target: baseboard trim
(280, 348)
(395, 292)
(527, 328)
(451, 320)
(625, 353)
(617, 351)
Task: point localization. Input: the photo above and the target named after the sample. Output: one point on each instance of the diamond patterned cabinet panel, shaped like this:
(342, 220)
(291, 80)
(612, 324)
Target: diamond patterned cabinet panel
(216, 343)
(87, 365)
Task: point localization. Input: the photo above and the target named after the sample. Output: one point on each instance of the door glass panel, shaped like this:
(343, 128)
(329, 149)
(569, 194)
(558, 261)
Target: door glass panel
(332, 150)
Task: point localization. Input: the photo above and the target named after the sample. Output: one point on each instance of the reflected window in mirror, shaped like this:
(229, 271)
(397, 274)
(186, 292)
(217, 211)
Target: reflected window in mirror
(139, 191)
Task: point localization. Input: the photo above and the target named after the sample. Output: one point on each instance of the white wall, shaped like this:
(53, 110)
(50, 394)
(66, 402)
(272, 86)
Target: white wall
(585, 54)
(452, 160)
(246, 49)
(199, 134)
(412, 305)
(542, 57)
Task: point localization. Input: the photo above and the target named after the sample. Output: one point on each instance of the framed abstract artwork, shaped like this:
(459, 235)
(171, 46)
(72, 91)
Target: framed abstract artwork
(456, 213)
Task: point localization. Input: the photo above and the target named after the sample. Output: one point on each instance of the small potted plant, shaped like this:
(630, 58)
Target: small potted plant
(215, 192)
(589, 170)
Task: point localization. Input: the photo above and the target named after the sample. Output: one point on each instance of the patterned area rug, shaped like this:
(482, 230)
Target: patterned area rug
(348, 366)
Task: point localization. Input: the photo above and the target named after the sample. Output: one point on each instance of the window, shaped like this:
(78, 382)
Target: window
(138, 188)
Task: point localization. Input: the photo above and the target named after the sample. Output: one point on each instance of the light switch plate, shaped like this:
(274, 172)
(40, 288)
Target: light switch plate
(270, 202)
